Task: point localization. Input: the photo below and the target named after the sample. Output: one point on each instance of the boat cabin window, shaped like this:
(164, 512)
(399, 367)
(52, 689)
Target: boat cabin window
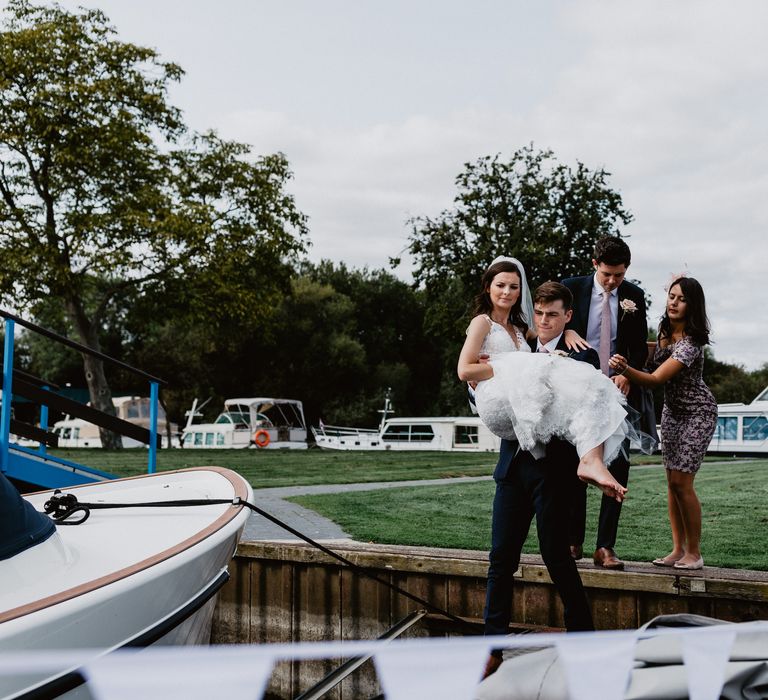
(763, 396)
(219, 438)
(755, 428)
(198, 439)
(397, 433)
(409, 433)
(727, 428)
(422, 433)
(209, 438)
(465, 435)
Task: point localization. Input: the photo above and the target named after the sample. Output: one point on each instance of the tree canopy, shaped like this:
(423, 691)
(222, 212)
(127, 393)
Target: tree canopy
(545, 213)
(104, 192)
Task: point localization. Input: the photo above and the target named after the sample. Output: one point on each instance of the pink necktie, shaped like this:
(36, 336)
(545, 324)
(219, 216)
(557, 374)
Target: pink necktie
(605, 333)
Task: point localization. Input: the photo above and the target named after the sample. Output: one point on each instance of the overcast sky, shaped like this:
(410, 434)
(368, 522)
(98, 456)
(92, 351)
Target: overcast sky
(378, 105)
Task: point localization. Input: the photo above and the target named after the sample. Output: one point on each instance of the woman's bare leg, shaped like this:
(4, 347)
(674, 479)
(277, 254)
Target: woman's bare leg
(592, 469)
(676, 525)
(689, 507)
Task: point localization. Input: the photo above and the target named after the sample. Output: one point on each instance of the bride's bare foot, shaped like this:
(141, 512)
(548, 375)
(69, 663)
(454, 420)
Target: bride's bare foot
(594, 471)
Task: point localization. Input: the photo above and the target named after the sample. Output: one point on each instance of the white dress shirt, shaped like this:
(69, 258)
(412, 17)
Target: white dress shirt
(551, 346)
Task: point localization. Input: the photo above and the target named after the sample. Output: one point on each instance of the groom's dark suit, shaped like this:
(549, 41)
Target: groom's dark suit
(631, 337)
(526, 487)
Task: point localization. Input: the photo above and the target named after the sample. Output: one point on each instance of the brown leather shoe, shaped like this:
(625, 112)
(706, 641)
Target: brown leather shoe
(491, 666)
(577, 551)
(606, 557)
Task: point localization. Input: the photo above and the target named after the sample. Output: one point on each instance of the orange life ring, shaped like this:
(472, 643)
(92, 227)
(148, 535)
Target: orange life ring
(261, 438)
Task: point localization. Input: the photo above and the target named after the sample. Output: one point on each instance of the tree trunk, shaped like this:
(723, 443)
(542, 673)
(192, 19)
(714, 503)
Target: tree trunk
(98, 388)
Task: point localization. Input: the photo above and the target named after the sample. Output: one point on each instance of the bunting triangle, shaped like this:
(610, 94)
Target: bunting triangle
(445, 672)
(705, 656)
(192, 675)
(608, 657)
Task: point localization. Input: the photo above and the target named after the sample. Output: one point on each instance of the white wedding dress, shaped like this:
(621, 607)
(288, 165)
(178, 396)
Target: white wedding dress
(534, 397)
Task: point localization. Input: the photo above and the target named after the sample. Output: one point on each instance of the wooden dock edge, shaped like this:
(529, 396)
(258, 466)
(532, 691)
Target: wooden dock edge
(290, 592)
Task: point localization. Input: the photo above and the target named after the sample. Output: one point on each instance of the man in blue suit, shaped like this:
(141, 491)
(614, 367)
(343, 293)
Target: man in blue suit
(528, 487)
(610, 313)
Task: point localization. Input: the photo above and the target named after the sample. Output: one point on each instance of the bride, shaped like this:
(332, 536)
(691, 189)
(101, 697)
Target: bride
(534, 397)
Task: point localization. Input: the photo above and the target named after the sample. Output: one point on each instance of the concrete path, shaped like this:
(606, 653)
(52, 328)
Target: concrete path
(308, 521)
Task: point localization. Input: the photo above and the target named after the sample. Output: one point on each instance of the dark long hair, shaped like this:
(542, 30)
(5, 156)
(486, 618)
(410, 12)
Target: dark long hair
(483, 303)
(696, 321)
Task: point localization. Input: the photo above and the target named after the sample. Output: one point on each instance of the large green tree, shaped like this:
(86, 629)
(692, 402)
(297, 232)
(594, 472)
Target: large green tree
(546, 213)
(103, 192)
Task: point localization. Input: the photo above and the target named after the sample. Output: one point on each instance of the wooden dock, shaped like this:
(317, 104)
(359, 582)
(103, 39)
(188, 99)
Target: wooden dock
(286, 592)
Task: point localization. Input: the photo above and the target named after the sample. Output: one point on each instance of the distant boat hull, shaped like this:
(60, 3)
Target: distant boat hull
(442, 434)
(128, 577)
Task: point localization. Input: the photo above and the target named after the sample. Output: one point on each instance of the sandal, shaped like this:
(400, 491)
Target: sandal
(665, 561)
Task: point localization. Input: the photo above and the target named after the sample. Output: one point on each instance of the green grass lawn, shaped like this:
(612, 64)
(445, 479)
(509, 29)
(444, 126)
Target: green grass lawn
(266, 468)
(733, 496)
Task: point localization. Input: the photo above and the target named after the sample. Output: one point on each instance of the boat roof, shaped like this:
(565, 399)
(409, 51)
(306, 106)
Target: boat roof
(251, 401)
(471, 420)
(759, 403)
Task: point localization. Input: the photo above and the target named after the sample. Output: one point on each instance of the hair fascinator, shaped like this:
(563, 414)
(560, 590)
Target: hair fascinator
(674, 276)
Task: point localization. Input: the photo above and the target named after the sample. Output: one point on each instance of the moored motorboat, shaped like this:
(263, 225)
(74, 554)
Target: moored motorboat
(264, 423)
(742, 428)
(443, 433)
(126, 577)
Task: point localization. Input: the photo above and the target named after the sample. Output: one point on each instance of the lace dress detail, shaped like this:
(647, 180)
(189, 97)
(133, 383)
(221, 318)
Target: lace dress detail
(534, 397)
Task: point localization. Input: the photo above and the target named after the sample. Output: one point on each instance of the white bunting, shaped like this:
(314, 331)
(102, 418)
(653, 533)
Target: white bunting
(441, 672)
(585, 658)
(705, 657)
(192, 676)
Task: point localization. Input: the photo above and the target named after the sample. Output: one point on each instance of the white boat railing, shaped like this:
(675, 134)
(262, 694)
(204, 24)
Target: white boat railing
(342, 431)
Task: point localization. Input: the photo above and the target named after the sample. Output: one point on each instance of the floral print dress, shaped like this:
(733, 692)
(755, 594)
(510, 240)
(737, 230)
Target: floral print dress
(690, 411)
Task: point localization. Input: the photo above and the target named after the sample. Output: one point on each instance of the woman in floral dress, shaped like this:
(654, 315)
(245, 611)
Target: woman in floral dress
(689, 415)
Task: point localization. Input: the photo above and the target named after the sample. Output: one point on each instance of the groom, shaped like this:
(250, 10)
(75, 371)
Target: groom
(610, 313)
(528, 487)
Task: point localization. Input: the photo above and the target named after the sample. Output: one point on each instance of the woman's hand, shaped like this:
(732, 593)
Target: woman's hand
(573, 341)
(618, 364)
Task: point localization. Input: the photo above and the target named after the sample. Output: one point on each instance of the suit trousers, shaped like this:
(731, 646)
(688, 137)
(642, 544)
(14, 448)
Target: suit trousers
(540, 488)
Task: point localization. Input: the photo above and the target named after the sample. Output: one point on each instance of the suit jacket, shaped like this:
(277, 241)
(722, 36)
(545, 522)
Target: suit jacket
(509, 448)
(631, 327)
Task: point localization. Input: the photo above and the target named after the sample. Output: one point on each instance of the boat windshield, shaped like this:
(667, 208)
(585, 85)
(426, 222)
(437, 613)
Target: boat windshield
(235, 417)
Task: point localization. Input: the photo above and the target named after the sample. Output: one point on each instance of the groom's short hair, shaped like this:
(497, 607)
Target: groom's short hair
(553, 291)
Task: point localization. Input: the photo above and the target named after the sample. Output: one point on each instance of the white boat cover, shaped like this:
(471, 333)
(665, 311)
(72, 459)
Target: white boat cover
(659, 671)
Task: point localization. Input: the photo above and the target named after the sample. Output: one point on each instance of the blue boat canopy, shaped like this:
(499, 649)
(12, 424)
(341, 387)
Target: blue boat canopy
(21, 526)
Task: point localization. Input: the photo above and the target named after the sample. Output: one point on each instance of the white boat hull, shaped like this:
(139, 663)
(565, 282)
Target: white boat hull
(442, 434)
(99, 586)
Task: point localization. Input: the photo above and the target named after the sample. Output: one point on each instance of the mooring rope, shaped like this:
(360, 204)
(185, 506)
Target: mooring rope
(62, 506)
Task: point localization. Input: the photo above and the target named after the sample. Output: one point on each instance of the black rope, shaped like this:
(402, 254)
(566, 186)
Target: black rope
(63, 506)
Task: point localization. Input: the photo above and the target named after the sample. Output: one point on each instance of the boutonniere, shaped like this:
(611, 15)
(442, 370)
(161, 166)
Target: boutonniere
(559, 353)
(627, 307)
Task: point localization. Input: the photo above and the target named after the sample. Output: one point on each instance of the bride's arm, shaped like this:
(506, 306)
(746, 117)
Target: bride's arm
(469, 369)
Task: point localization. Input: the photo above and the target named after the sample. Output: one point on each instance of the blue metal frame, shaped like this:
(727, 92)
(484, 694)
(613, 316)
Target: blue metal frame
(37, 466)
(154, 394)
(5, 410)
